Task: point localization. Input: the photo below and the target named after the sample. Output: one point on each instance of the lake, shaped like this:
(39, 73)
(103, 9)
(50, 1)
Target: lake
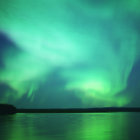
(72, 126)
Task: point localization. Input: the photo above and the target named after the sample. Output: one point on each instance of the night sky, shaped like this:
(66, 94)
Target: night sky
(70, 53)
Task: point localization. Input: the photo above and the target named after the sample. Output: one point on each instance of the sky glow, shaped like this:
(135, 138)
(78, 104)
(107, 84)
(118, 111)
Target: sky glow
(91, 45)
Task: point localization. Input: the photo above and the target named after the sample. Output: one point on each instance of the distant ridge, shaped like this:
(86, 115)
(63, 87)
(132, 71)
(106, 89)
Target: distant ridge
(80, 110)
(10, 109)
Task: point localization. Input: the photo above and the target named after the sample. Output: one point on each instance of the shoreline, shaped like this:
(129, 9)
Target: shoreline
(80, 110)
(10, 109)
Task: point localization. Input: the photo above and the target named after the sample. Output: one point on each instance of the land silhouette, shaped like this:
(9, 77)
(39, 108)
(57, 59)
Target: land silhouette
(10, 109)
(7, 109)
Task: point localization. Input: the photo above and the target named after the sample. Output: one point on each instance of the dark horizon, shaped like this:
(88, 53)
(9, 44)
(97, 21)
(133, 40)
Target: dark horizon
(10, 109)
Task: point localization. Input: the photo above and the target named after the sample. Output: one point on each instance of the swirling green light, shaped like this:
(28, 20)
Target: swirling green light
(94, 44)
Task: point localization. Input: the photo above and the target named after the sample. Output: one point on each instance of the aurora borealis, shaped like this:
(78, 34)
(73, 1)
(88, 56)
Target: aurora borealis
(70, 53)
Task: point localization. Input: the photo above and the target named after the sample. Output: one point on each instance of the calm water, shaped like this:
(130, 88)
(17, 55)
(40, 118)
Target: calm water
(111, 126)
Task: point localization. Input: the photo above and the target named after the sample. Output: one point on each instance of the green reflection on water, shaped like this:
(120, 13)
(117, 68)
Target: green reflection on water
(66, 127)
(101, 127)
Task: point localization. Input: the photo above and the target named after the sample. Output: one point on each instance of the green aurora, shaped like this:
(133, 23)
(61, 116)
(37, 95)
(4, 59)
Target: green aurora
(94, 44)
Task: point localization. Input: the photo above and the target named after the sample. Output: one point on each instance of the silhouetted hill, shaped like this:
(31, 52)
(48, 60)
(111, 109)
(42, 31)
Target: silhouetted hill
(7, 109)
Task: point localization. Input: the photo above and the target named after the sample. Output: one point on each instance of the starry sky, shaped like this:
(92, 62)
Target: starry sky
(70, 53)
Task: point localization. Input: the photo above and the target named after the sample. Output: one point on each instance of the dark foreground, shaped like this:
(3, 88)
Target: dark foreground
(9, 109)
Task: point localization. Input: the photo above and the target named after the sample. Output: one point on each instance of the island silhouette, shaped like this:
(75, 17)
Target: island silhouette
(6, 109)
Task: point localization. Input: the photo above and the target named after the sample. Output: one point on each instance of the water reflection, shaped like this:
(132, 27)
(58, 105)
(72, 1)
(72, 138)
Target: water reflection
(113, 126)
